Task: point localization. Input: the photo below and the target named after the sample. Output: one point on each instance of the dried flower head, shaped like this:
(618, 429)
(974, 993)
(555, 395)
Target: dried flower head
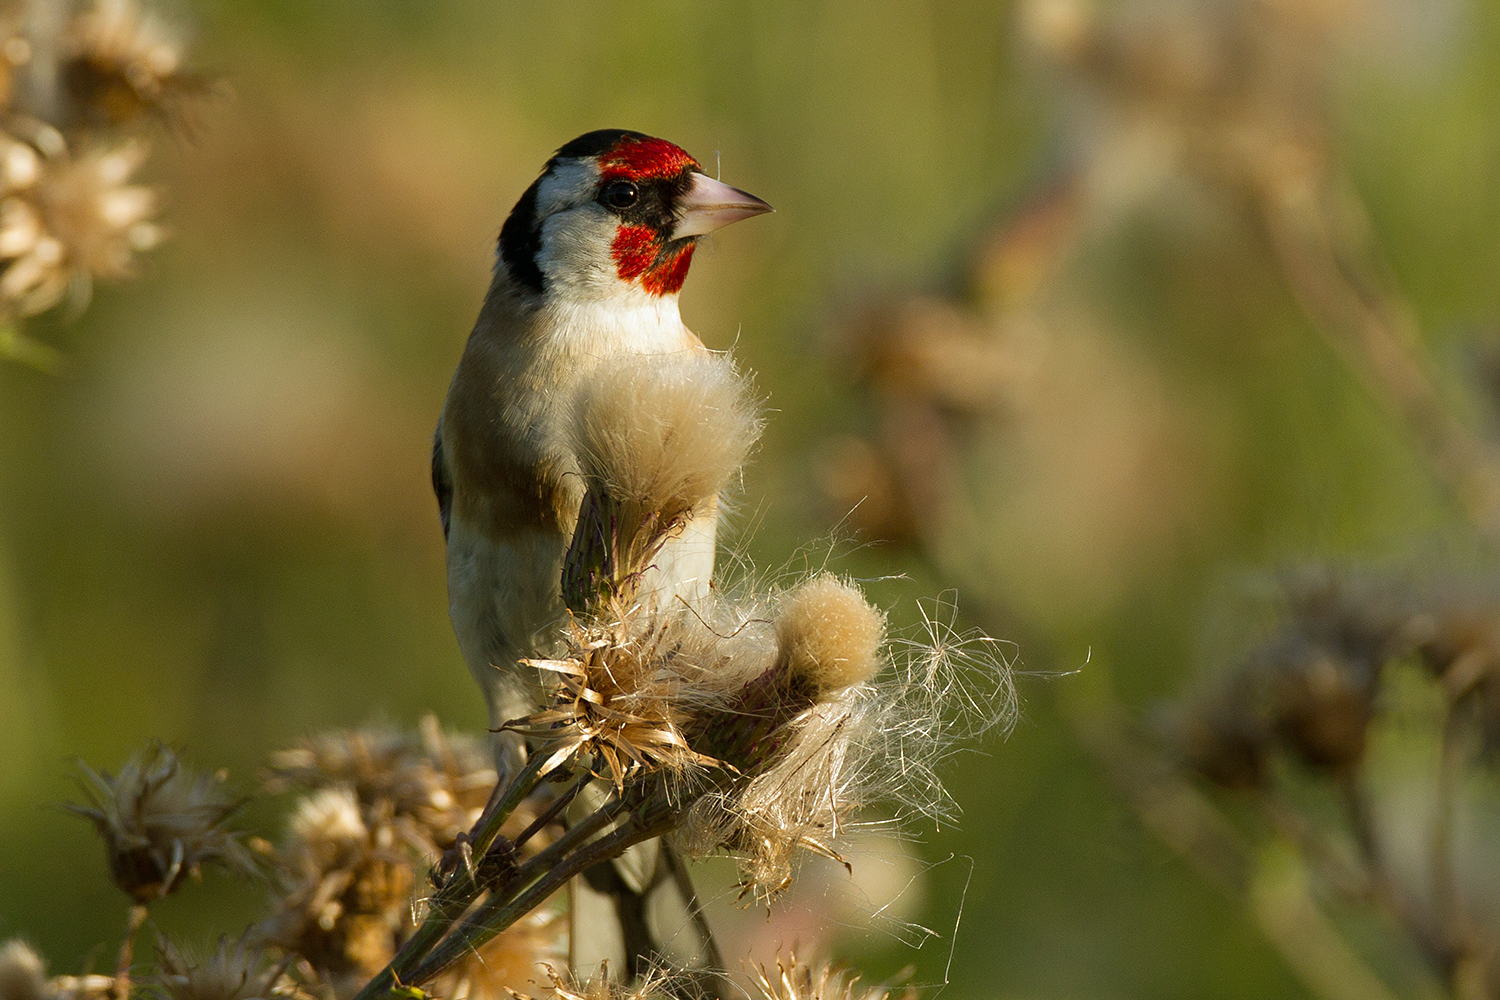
(654, 986)
(383, 804)
(161, 822)
(22, 972)
(634, 692)
(794, 980)
(437, 781)
(80, 220)
(844, 750)
(829, 633)
(121, 62)
(658, 438)
(235, 971)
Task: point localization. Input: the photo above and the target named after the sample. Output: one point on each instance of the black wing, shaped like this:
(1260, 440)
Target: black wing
(441, 484)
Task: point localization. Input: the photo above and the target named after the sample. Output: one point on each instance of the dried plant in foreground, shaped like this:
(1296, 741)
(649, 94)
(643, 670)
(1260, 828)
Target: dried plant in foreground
(755, 725)
(760, 724)
(83, 82)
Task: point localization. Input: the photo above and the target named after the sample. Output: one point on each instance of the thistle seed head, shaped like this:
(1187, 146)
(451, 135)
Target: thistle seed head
(665, 432)
(161, 822)
(827, 632)
(22, 972)
(235, 971)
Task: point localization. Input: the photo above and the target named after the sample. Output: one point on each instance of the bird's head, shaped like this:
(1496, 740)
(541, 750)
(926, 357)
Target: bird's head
(615, 213)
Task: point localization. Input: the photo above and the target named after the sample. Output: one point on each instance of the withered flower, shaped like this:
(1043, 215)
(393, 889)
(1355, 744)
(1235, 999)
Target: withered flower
(235, 971)
(383, 804)
(436, 780)
(794, 980)
(121, 62)
(80, 220)
(161, 822)
(22, 972)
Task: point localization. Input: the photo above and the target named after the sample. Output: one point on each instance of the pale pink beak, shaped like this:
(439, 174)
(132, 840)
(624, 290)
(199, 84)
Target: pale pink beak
(711, 204)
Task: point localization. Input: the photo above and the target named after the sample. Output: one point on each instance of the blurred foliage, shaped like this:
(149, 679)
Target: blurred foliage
(217, 529)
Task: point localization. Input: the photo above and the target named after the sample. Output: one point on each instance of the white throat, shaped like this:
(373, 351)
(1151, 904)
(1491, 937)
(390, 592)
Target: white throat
(638, 323)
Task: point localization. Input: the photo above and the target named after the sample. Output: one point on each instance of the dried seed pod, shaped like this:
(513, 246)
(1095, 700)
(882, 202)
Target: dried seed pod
(235, 971)
(827, 632)
(22, 972)
(161, 822)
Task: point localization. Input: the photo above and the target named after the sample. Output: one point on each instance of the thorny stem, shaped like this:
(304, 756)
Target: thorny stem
(406, 968)
(137, 917)
(462, 888)
(502, 910)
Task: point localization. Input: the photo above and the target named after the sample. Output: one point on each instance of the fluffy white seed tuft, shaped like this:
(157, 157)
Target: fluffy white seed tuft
(828, 633)
(666, 431)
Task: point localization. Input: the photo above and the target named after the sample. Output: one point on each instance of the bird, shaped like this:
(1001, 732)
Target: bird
(588, 268)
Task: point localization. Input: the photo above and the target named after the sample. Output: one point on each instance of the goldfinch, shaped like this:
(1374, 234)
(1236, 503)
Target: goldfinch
(589, 266)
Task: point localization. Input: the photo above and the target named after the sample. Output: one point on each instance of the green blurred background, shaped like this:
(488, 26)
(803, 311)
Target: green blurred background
(218, 530)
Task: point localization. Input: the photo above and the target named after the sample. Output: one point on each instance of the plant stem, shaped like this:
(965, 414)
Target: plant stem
(499, 912)
(453, 899)
(137, 917)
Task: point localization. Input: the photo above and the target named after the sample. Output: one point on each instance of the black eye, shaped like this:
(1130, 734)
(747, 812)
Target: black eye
(621, 194)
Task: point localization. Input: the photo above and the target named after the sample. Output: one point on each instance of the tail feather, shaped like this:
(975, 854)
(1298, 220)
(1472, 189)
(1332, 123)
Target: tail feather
(635, 925)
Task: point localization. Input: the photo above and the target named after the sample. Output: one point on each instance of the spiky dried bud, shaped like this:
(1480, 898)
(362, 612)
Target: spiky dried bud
(120, 62)
(161, 822)
(80, 220)
(235, 971)
(22, 972)
(794, 980)
(827, 632)
(560, 986)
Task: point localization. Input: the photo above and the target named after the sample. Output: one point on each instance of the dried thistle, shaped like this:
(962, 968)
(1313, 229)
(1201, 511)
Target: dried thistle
(22, 972)
(432, 783)
(161, 822)
(658, 438)
(121, 62)
(235, 971)
(794, 980)
(829, 633)
(656, 985)
(80, 220)
(383, 804)
(615, 700)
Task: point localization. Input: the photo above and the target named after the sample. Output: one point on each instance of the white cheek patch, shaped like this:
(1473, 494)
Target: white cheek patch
(576, 256)
(568, 183)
